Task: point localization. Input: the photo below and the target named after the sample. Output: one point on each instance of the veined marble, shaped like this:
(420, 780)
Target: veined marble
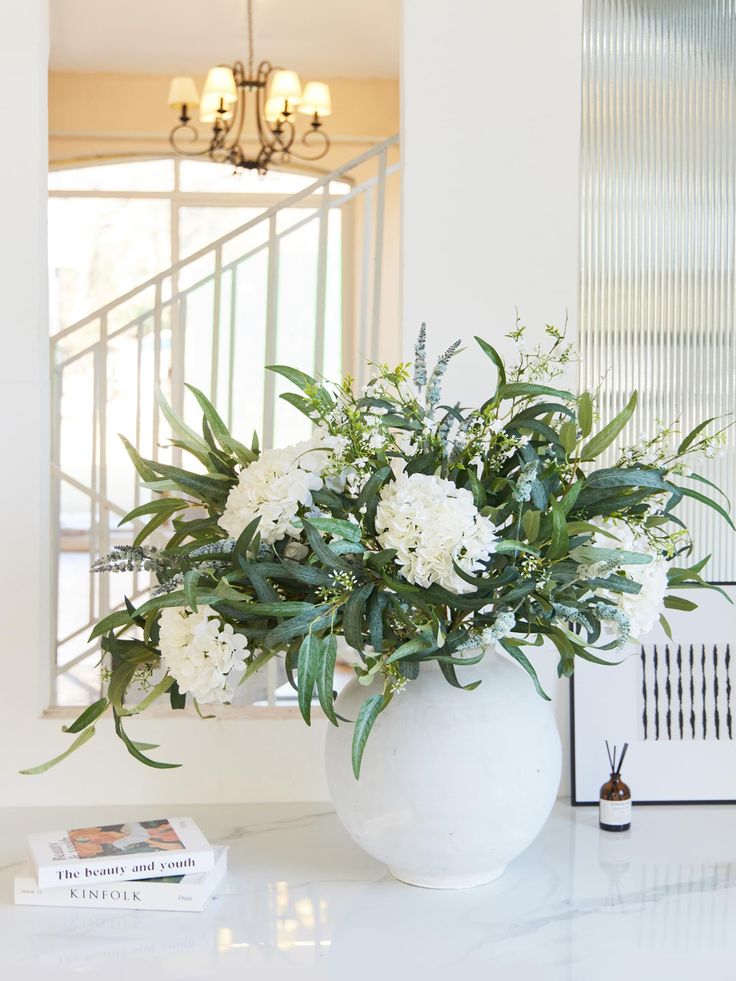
(301, 901)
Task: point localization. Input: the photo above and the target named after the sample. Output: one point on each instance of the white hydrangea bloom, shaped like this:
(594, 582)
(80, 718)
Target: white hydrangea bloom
(274, 486)
(645, 607)
(430, 522)
(205, 657)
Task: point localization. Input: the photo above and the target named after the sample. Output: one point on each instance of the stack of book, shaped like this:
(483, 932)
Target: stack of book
(164, 864)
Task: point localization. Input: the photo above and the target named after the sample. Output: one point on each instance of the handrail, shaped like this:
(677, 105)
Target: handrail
(218, 243)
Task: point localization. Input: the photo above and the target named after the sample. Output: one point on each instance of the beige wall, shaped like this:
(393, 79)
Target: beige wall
(108, 115)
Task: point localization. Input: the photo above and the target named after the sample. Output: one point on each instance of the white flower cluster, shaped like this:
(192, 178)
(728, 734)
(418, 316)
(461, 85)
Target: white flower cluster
(645, 607)
(274, 486)
(538, 363)
(485, 442)
(651, 451)
(659, 450)
(203, 656)
(714, 447)
(379, 387)
(431, 522)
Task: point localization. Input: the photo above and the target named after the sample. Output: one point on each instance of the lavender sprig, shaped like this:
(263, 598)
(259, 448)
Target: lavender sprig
(420, 358)
(134, 558)
(176, 582)
(434, 385)
(444, 429)
(223, 545)
(573, 615)
(523, 490)
(612, 614)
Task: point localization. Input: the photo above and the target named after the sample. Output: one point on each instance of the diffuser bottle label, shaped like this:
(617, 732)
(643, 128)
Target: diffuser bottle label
(615, 812)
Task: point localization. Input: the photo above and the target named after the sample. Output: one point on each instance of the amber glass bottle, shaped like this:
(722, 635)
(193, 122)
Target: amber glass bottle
(615, 804)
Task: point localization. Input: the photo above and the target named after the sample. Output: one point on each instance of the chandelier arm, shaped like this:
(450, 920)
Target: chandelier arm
(264, 159)
(219, 151)
(192, 139)
(225, 127)
(238, 122)
(283, 138)
(271, 138)
(309, 138)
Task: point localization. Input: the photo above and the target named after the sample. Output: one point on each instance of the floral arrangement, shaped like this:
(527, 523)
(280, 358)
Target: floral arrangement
(418, 531)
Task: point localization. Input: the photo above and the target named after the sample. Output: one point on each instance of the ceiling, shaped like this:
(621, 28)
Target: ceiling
(318, 38)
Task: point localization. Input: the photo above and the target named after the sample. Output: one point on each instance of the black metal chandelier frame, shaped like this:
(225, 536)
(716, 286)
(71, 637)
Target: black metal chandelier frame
(277, 138)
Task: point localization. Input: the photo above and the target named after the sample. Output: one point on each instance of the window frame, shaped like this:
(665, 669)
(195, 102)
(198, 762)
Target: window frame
(179, 198)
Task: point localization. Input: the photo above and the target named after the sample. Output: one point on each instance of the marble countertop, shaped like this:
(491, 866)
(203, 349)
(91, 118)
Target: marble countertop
(302, 901)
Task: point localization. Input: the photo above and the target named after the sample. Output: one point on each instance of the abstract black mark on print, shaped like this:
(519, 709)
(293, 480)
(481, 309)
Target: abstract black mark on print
(686, 692)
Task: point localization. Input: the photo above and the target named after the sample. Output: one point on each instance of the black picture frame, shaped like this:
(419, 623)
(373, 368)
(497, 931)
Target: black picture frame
(579, 799)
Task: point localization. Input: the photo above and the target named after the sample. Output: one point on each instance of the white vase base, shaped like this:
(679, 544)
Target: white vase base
(447, 881)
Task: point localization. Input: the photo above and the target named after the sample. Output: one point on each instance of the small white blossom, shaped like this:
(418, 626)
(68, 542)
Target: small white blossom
(376, 440)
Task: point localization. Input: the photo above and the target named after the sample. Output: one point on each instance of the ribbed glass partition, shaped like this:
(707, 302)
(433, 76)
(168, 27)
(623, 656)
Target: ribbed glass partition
(658, 224)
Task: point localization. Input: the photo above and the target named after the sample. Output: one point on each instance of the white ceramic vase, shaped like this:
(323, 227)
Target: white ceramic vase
(454, 784)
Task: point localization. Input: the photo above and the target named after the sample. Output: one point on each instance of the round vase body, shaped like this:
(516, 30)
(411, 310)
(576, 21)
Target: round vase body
(454, 784)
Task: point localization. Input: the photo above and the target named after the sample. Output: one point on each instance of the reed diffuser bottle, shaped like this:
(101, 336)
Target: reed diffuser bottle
(614, 806)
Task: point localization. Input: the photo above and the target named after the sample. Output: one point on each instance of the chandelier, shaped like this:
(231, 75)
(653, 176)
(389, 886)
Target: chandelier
(265, 98)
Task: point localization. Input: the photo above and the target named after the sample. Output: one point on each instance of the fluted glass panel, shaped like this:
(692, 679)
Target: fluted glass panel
(658, 222)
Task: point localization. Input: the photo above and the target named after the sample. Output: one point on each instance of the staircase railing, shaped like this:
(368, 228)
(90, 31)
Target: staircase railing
(214, 319)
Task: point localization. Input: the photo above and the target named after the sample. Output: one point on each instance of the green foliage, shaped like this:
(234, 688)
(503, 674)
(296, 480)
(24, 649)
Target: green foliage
(526, 457)
(606, 436)
(369, 712)
(585, 413)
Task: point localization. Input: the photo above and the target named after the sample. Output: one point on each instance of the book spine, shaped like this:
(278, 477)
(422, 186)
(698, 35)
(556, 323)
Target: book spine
(127, 868)
(171, 896)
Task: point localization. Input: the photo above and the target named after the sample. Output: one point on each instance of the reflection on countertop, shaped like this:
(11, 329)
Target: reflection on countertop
(301, 901)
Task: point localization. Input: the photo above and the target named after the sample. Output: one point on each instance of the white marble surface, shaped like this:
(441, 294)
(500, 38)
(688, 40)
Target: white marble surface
(301, 901)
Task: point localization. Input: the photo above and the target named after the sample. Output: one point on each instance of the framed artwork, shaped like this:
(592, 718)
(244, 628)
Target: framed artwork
(673, 701)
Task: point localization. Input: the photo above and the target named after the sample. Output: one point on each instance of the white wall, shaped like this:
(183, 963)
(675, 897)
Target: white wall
(23, 396)
(490, 141)
(490, 144)
(238, 760)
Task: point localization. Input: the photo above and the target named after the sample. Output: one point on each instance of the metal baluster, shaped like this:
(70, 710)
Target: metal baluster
(55, 508)
(215, 366)
(365, 285)
(319, 325)
(378, 257)
(103, 542)
(272, 313)
(231, 362)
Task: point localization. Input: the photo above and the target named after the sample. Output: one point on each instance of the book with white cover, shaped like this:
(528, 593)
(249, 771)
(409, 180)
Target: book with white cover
(175, 893)
(113, 852)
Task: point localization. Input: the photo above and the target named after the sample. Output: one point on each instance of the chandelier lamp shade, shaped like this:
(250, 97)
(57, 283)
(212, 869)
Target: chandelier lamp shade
(241, 102)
